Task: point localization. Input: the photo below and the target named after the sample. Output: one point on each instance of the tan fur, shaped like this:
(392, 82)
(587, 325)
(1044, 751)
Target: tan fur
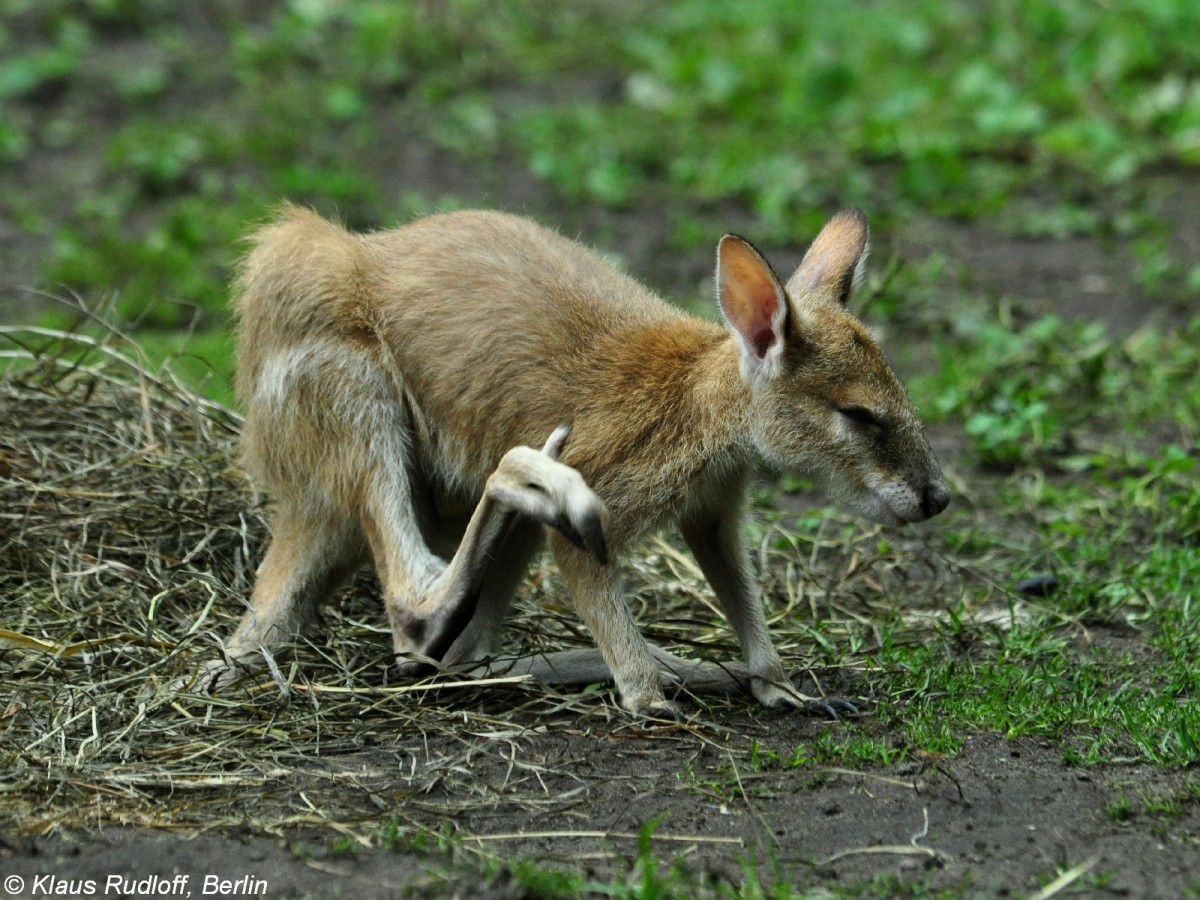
(395, 383)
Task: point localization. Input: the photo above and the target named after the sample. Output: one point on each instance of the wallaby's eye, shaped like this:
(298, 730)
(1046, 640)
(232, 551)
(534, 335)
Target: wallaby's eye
(859, 415)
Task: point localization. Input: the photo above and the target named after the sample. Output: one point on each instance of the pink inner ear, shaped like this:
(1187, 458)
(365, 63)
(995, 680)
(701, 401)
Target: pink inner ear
(763, 339)
(750, 295)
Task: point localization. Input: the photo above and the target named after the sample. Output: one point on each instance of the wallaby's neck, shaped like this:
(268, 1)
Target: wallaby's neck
(720, 393)
(675, 395)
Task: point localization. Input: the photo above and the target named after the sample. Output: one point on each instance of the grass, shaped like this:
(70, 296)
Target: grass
(1037, 115)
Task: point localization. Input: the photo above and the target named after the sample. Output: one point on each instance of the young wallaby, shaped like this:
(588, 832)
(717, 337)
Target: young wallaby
(395, 384)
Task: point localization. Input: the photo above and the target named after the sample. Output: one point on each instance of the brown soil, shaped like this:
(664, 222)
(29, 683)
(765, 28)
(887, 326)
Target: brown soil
(994, 818)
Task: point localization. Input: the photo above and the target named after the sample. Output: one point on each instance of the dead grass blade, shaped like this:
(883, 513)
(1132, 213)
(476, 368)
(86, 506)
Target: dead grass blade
(131, 540)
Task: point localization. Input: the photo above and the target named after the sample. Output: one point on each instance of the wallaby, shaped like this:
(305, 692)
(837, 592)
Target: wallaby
(396, 383)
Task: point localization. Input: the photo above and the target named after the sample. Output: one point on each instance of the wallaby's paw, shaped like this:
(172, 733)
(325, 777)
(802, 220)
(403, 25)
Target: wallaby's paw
(534, 483)
(662, 710)
(647, 701)
(777, 694)
(781, 695)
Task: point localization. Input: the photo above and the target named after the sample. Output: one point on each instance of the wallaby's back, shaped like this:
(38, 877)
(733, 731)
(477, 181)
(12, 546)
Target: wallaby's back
(497, 328)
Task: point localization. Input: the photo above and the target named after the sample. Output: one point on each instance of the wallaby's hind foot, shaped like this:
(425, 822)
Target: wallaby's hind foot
(527, 482)
(217, 675)
(536, 485)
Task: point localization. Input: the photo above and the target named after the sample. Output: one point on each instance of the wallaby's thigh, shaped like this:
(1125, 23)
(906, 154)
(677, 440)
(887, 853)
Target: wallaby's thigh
(329, 438)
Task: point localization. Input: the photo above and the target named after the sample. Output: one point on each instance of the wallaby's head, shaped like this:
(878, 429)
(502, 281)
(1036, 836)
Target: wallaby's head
(824, 401)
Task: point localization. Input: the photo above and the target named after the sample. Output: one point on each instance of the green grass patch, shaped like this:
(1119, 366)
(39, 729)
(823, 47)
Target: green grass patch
(1055, 391)
(1040, 113)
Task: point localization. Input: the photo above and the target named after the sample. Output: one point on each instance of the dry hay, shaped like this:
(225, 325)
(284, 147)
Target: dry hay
(129, 545)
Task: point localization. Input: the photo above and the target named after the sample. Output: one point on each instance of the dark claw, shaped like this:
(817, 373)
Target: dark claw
(590, 540)
(593, 539)
(667, 712)
(414, 669)
(830, 706)
(564, 526)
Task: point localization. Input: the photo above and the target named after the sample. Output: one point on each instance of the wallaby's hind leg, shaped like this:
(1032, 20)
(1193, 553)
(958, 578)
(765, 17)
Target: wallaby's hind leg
(308, 558)
(429, 609)
(327, 436)
(508, 565)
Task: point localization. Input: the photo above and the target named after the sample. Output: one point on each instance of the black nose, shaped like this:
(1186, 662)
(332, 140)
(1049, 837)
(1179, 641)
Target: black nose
(936, 499)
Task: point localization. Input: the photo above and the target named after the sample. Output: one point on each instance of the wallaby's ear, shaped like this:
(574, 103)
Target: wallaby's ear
(754, 305)
(835, 264)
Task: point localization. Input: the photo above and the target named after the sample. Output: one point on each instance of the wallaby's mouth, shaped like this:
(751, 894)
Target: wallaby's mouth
(900, 503)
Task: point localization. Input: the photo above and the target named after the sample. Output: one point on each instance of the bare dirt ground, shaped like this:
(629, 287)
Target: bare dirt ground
(987, 819)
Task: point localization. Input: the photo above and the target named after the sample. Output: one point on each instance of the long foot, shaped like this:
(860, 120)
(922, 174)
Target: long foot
(537, 485)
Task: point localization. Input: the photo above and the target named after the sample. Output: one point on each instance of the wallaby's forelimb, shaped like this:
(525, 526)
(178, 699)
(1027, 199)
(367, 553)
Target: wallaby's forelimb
(601, 605)
(716, 542)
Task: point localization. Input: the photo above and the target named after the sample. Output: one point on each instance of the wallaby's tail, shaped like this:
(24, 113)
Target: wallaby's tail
(576, 668)
(291, 287)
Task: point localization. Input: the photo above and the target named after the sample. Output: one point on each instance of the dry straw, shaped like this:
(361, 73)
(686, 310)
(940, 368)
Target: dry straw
(130, 540)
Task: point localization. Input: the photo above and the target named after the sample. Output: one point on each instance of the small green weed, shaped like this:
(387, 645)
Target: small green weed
(1023, 393)
(1045, 391)
(1120, 810)
(847, 746)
